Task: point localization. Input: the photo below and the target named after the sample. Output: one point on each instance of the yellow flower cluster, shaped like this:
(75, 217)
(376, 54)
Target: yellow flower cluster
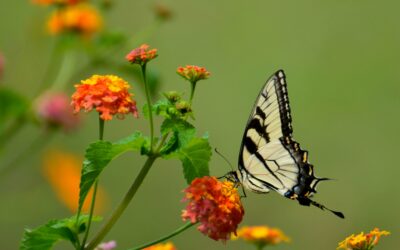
(81, 18)
(262, 235)
(362, 241)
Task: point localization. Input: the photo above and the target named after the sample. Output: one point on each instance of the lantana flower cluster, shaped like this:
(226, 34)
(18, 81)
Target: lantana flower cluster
(362, 241)
(193, 73)
(262, 235)
(215, 205)
(81, 18)
(108, 94)
(141, 55)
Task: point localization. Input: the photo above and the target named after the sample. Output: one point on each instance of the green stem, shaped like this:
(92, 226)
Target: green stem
(92, 205)
(143, 67)
(90, 215)
(124, 203)
(101, 129)
(12, 130)
(176, 232)
(260, 246)
(193, 87)
(30, 150)
(54, 56)
(66, 69)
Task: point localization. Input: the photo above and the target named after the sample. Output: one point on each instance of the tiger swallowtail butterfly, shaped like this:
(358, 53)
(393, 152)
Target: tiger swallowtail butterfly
(270, 159)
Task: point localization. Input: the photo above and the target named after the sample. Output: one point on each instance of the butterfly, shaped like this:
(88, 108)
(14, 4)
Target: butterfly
(270, 159)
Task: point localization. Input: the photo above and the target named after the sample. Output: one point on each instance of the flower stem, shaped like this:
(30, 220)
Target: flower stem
(90, 215)
(193, 87)
(92, 205)
(5, 136)
(124, 203)
(143, 67)
(176, 232)
(66, 69)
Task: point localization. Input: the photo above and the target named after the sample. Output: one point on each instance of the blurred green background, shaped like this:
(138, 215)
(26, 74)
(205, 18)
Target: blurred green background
(342, 61)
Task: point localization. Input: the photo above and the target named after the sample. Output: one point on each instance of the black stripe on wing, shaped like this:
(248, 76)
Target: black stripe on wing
(274, 89)
(283, 100)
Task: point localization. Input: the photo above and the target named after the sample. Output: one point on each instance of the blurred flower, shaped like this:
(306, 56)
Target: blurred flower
(163, 12)
(141, 55)
(108, 94)
(54, 110)
(216, 205)
(161, 246)
(107, 245)
(57, 2)
(262, 235)
(63, 171)
(362, 241)
(81, 18)
(193, 73)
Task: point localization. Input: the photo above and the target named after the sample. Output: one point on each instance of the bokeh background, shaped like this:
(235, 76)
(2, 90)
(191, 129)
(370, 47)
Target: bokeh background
(342, 62)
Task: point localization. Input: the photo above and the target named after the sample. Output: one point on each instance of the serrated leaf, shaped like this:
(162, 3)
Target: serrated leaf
(195, 157)
(45, 236)
(183, 130)
(98, 156)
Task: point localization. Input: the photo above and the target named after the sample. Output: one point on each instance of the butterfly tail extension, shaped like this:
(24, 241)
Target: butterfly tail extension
(307, 202)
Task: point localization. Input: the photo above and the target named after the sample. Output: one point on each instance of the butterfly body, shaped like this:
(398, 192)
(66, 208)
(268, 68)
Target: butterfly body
(270, 159)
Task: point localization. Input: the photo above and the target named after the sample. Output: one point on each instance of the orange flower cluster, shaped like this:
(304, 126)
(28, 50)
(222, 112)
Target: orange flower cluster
(57, 2)
(81, 18)
(141, 55)
(161, 246)
(262, 235)
(108, 94)
(362, 241)
(193, 73)
(63, 171)
(216, 205)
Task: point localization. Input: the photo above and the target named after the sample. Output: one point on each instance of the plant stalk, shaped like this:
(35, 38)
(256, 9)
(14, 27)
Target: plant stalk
(92, 205)
(143, 67)
(124, 203)
(176, 232)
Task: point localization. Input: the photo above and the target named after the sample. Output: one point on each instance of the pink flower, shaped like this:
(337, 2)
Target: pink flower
(54, 110)
(215, 205)
(107, 245)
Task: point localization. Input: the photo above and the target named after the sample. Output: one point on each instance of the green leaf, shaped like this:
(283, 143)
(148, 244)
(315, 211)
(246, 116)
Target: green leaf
(195, 157)
(12, 105)
(162, 107)
(98, 156)
(183, 130)
(45, 236)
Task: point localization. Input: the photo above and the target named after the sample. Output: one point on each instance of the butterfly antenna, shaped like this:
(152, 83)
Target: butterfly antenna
(337, 213)
(223, 157)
